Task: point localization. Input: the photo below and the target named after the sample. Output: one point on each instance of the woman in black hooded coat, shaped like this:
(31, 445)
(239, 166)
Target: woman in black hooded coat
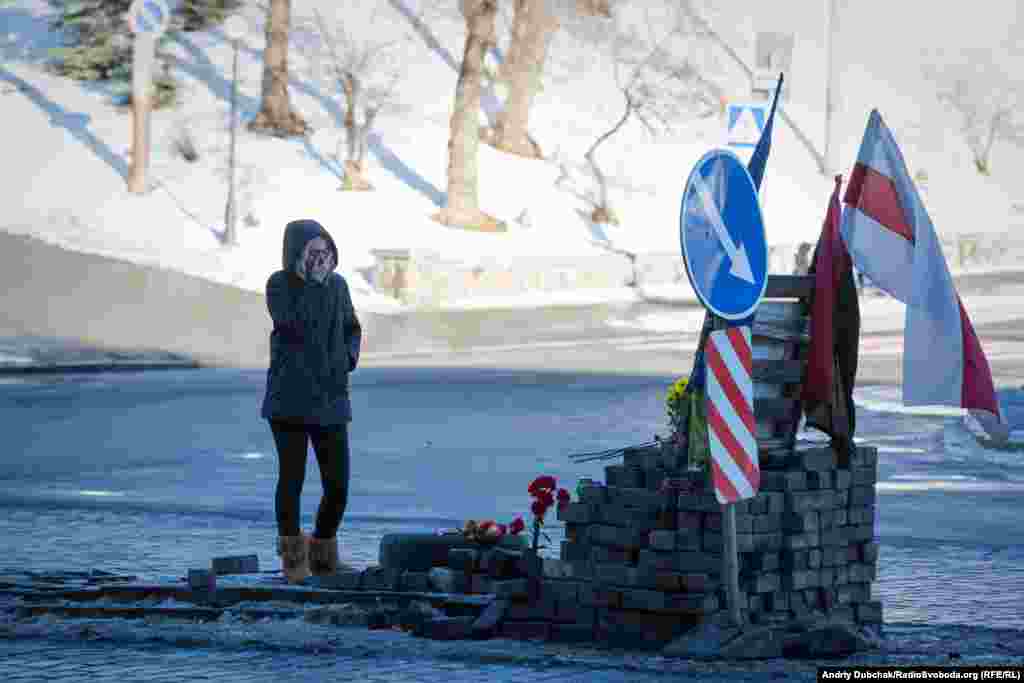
(314, 345)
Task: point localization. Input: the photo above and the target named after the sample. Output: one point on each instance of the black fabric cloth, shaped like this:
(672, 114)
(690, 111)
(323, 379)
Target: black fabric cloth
(315, 341)
(330, 444)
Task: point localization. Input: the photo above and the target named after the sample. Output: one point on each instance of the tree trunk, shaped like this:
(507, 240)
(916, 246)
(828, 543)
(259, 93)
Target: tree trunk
(276, 115)
(532, 29)
(462, 208)
(355, 166)
(602, 212)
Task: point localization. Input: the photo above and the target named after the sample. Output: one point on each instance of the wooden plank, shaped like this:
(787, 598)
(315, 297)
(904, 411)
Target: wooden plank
(775, 408)
(779, 371)
(784, 333)
(789, 287)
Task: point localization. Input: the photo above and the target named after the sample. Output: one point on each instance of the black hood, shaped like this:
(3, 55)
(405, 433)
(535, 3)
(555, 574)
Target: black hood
(297, 235)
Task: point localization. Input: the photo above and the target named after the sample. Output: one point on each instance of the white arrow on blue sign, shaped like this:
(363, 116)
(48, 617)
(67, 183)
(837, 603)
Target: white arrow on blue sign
(148, 16)
(721, 232)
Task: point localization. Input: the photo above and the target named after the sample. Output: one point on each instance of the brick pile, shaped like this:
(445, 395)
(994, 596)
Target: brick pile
(641, 565)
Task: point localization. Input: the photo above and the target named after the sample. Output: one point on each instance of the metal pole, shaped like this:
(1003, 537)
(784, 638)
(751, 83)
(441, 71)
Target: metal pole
(230, 234)
(830, 26)
(730, 562)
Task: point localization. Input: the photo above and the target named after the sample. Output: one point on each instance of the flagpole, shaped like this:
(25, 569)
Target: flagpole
(832, 22)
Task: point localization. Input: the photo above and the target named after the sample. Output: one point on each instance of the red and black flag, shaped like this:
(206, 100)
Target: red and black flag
(835, 335)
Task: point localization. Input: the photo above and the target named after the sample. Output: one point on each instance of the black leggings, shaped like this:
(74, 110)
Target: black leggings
(331, 447)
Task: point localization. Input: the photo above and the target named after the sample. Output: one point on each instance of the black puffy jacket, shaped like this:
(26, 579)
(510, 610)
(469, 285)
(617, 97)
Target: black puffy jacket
(315, 341)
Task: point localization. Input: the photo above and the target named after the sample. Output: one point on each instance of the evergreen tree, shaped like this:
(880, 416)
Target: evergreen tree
(98, 41)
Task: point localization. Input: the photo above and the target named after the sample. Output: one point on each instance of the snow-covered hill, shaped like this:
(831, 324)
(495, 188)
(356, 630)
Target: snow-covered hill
(70, 146)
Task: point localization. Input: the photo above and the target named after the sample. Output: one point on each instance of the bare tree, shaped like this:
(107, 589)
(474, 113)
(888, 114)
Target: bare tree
(367, 75)
(276, 115)
(462, 208)
(988, 101)
(659, 86)
(532, 28)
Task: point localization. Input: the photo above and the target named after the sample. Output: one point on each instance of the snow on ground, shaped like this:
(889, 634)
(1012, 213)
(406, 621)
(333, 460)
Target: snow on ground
(73, 148)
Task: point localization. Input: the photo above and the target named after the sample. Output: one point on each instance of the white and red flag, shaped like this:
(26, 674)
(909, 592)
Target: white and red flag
(892, 240)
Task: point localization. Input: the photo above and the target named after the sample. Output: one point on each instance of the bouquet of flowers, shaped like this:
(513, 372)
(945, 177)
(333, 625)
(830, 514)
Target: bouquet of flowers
(489, 531)
(545, 493)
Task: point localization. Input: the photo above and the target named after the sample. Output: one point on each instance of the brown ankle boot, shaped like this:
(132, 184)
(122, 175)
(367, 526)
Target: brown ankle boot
(294, 552)
(323, 557)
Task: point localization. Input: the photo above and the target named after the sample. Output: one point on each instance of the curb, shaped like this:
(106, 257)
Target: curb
(94, 367)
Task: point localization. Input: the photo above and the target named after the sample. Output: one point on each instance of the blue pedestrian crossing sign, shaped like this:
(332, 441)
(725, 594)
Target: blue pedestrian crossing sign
(746, 123)
(721, 232)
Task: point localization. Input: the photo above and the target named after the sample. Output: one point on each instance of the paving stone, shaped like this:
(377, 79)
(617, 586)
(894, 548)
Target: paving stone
(481, 584)
(526, 630)
(662, 540)
(862, 496)
(686, 520)
(843, 479)
(814, 558)
(464, 559)
(579, 513)
(809, 501)
(800, 579)
(235, 564)
(801, 522)
(564, 569)
(575, 613)
(768, 523)
(783, 481)
(592, 595)
(571, 633)
(537, 610)
(350, 581)
(827, 578)
(449, 628)
(693, 540)
(595, 494)
(834, 537)
(841, 517)
(827, 519)
(510, 588)
(705, 641)
(414, 582)
(711, 543)
(794, 559)
(380, 578)
(768, 561)
(503, 564)
(865, 456)
(445, 580)
(645, 600)
(869, 613)
(704, 502)
(817, 481)
(863, 573)
(861, 515)
(763, 583)
(620, 476)
(487, 624)
(868, 552)
(604, 555)
(201, 579)
(803, 541)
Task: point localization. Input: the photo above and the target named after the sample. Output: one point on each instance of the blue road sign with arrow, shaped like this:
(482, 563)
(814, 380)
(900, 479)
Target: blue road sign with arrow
(722, 236)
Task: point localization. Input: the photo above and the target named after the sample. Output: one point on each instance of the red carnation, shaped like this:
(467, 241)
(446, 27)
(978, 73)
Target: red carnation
(502, 530)
(539, 508)
(517, 526)
(563, 498)
(540, 484)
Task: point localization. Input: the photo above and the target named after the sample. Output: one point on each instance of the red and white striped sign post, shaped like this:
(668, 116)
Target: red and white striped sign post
(732, 438)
